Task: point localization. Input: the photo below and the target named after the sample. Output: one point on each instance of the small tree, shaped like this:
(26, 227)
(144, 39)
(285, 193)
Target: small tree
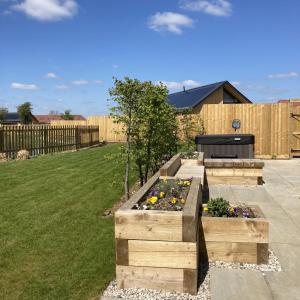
(126, 95)
(24, 111)
(67, 115)
(149, 124)
(3, 112)
(190, 126)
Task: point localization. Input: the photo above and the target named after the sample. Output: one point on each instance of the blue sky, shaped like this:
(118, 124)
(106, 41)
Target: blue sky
(62, 54)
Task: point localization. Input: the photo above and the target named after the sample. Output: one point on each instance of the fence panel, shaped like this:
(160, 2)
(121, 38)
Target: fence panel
(43, 139)
(275, 133)
(109, 131)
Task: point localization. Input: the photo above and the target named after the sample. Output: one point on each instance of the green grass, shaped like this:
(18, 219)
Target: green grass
(54, 243)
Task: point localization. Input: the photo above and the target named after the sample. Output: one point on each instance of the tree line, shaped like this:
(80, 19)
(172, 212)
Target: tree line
(24, 111)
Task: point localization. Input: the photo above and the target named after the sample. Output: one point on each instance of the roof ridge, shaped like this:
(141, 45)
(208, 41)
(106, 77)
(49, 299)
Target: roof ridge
(201, 86)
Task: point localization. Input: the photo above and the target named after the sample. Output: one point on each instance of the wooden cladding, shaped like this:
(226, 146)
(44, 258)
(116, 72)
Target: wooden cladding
(43, 139)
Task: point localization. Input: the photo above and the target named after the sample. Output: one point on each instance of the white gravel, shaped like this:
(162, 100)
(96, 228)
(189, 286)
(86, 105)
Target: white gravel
(204, 292)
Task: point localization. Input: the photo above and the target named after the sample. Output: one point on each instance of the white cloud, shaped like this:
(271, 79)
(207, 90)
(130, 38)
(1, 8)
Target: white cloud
(266, 90)
(80, 82)
(47, 10)
(169, 21)
(98, 81)
(24, 86)
(235, 83)
(175, 85)
(115, 66)
(283, 75)
(220, 8)
(61, 87)
(51, 75)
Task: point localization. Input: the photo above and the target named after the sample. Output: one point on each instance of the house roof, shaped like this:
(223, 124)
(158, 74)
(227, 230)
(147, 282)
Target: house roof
(192, 97)
(294, 102)
(11, 118)
(49, 118)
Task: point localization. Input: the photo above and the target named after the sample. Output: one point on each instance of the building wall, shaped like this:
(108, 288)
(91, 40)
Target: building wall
(217, 98)
(214, 98)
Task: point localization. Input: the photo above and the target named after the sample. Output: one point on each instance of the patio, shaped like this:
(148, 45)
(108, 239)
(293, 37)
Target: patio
(279, 199)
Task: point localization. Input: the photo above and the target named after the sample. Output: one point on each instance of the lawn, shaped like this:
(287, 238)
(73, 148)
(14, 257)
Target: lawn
(54, 242)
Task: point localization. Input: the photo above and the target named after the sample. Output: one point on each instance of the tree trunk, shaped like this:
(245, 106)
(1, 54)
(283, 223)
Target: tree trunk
(126, 183)
(141, 175)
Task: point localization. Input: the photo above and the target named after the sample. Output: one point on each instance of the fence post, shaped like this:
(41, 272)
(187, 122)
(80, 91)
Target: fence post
(77, 137)
(46, 140)
(1, 139)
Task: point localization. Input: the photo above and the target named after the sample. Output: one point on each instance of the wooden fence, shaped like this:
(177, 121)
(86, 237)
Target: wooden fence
(276, 126)
(108, 130)
(43, 139)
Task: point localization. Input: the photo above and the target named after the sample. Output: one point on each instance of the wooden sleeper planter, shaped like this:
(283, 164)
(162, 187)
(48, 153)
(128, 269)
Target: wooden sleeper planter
(234, 171)
(235, 239)
(158, 249)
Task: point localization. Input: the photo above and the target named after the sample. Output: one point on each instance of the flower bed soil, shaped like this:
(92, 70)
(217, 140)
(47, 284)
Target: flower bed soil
(189, 155)
(166, 194)
(240, 211)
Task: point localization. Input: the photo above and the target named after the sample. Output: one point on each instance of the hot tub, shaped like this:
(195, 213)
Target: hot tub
(226, 145)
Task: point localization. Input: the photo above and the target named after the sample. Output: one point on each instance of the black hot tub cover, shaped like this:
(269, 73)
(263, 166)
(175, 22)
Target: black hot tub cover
(225, 139)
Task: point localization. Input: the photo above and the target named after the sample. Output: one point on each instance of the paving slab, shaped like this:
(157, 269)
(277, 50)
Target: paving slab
(190, 168)
(279, 199)
(238, 284)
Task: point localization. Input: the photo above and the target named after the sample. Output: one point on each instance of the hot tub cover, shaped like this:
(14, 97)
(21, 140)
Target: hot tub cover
(225, 139)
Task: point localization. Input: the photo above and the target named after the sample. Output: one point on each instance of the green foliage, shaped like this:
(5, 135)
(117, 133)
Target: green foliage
(24, 111)
(218, 207)
(3, 112)
(67, 115)
(190, 125)
(150, 123)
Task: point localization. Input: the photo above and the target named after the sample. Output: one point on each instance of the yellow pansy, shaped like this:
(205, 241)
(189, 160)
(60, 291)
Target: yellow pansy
(173, 200)
(182, 201)
(205, 208)
(153, 200)
(161, 194)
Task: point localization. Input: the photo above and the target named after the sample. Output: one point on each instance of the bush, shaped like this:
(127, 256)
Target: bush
(218, 207)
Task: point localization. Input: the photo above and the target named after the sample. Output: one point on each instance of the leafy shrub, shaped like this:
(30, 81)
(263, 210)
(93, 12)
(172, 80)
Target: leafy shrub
(218, 207)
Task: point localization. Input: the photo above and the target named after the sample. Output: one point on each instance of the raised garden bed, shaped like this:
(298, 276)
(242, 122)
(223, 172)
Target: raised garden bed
(194, 155)
(157, 245)
(234, 171)
(240, 235)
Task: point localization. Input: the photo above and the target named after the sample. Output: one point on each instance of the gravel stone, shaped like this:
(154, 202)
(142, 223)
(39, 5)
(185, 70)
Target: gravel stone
(204, 292)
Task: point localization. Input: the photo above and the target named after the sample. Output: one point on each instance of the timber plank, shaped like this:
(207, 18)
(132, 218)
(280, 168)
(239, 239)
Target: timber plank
(234, 180)
(232, 252)
(171, 166)
(150, 278)
(238, 252)
(234, 172)
(235, 230)
(190, 215)
(162, 254)
(190, 281)
(149, 225)
(122, 252)
(200, 160)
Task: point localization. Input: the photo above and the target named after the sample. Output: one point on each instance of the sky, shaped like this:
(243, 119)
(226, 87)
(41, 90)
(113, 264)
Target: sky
(63, 54)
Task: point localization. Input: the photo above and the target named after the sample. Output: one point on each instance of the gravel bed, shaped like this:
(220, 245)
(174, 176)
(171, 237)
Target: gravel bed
(272, 266)
(204, 292)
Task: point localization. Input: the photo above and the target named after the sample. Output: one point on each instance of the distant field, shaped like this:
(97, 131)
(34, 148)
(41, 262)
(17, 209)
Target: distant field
(54, 243)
